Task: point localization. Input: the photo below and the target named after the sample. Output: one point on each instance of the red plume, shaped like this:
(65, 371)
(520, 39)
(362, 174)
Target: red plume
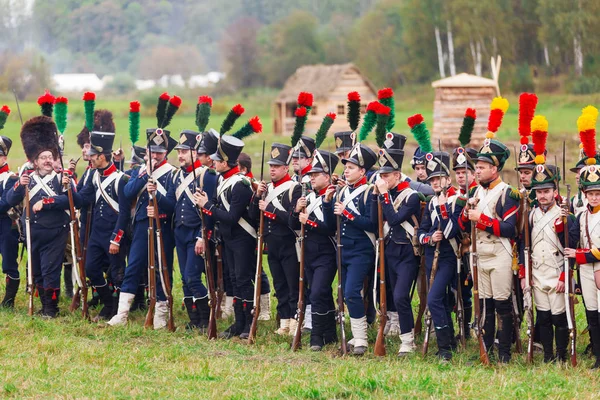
(255, 124)
(165, 96)
(471, 113)
(527, 104)
(205, 99)
(238, 109)
(88, 96)
(305, 99)
(46, 98)
(301, 112)
(384, 110)
(332, 116)
(415, 120)
(175, 101)
(495, 120)
(5, 109)
(588, 140)
(539, 139)
(353, 96)
(385, 93)
(134, 106)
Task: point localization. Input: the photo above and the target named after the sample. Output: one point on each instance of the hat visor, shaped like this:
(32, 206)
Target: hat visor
(92, 152)
(157, 149)
(547, 185)
(276, 162)
(525, 166)
(344, 149)
(591, 188)
(216, 157)
(575, 169)
(315, 171)
(182, 147)
(437, 173)
(201, 150)
(299, 154)
(463, 166)
(386, 169)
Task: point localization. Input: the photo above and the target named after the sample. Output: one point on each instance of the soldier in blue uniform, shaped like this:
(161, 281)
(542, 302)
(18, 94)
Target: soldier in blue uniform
(401, 213)
(358, 238)
(138, 154)
(281, 197)
(438, 234)
(49, 204)
(319, 251)
(9, 233)
(229, 211)
(188, 225)
(160, 144)
(105, 194)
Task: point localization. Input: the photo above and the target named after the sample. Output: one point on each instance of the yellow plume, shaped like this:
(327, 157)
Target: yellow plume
(586, 122)
(591, 111)
(539, 123)
(499, 103)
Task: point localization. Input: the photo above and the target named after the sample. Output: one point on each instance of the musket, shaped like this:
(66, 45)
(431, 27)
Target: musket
(220, 281)
(74, 229)
(259, 261)
(460, 308)
(297, 341)
(434, 268)
(210, 279)
(477, 320)
(569, 289)
(149, 322)
(380, 341)
(340, 290)
(527, 292)
(29, 266)
(18, 107)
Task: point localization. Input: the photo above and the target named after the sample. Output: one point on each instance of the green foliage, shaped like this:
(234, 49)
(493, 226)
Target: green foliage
(122, 83)
(522, 80)
(585, 85)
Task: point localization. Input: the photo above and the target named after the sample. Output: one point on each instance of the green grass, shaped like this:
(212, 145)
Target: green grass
(72, 358)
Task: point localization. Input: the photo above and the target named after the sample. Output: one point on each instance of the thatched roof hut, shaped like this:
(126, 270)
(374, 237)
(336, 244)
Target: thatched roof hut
(453, 96)
(330, 85)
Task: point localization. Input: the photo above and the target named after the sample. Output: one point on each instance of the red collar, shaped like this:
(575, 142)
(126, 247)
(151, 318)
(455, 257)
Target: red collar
(282, 180)
(163, 162)
(471, 186)
(109, 170)
(403, 185)
(305, 170)
(4, 168)
(249, 175)
(231, 172)
(322, 191)
(451, 191)
(361, 182)
(196, 166)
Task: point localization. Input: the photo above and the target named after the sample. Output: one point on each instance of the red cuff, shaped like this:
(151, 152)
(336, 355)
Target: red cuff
(580, 256)
(48, 200)
(348, 215)
(312, 224)
(208, 234)
(207, 212)
(561, 278)
(444, 211)
(270, 215)
(117, 237)
(521, 271)
(16, 185)
(484, 222)
(558, 225)
(386, 198)
(426, 239)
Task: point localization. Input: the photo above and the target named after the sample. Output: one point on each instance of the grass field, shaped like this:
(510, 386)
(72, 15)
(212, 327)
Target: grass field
(70, 358)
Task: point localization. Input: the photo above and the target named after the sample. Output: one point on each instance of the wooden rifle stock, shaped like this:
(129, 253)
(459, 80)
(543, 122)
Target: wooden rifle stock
(30, 285)
(257, 279)
(340, 291)
(163, 267)
(528, 293)
(149, 322)
(297, 341)
(80, 262)
(220, 281)
(380, 341)
(210, 279)
(483, 355)
(569, 289)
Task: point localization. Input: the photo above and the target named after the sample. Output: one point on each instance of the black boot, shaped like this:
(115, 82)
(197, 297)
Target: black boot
(238, 325)
(561, 333)
(546, 337)
(105, 295)
(505, 329)
(139, 301)
(12, 287)
(594, 328)
(467, 315)
(43, 300)
(316, 334)
(444, 340)
(192, 312)
(247, 308)
(52, 296)
(330, 328)
(489, 324)
(203, 313)
(68, 278)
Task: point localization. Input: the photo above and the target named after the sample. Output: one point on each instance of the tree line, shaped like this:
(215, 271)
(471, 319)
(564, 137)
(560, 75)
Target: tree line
(262, 42)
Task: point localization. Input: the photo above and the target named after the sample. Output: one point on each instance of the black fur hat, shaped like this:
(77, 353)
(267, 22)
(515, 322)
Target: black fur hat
(38, 135)
(103, 122)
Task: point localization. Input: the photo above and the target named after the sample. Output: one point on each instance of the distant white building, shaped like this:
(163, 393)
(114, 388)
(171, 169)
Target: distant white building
(77, 82)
